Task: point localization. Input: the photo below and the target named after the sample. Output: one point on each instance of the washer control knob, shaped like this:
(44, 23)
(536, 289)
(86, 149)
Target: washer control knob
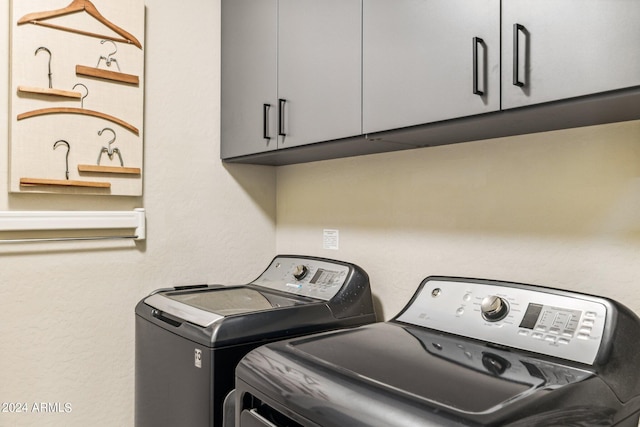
(494, 308)
(300, 272)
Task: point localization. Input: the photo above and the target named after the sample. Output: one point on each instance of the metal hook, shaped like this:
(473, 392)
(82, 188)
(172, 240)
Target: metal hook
(112, 131)
(42, 48)
(87, 94)
(55, 145)
(110, 151)
(108, 59)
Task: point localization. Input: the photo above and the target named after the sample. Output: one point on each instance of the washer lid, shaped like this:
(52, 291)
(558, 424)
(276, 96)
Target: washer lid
(205, 307)
(437, 369)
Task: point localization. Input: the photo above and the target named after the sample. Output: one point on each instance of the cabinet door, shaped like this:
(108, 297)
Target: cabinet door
(249, 77)
(556, 49)
(319, 70)
(420, 59)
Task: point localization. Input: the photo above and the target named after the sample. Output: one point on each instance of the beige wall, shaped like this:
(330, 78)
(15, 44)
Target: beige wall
(560, 209)
(67, 310)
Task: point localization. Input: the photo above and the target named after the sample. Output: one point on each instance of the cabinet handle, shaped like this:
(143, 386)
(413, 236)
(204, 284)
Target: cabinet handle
(517, 28)
(476, 64)
(265, 121)
(281, 131)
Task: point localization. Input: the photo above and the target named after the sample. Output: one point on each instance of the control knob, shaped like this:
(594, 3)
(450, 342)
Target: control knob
(300, 271)
(494, 308)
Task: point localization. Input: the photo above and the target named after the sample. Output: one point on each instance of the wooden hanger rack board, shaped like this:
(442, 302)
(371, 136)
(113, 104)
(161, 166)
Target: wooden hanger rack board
(109, 169)
(93, 81)
(50, 92)
(62, 183)
(83, 70)
(37, 18)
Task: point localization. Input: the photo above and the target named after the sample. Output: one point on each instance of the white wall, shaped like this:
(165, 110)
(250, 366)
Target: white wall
(67, 309)
(560, 209)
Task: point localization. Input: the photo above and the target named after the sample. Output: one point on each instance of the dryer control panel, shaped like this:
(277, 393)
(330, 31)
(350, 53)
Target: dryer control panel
(314, 278)
(556, 323)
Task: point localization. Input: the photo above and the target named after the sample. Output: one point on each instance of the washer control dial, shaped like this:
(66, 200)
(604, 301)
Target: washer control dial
(494, 308)
(300, 271)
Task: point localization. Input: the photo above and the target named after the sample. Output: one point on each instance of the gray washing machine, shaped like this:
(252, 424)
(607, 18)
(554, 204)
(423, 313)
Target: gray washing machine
(463, 352)
(189, 340)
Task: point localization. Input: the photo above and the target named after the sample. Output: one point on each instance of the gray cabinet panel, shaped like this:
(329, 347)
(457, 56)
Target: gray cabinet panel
(249, 76)
(319, 69)
(569, 48)
(418, 61)
(364, 76)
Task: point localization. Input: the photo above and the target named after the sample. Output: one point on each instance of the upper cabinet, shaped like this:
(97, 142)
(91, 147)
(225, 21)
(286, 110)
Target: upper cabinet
(291, 73)
(559, 49)
(249, 76)
(306, 80)
(319, 70)
(429, 60)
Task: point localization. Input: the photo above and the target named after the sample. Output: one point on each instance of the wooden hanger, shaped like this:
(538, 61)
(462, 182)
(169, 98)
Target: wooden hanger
(60, 182)
(101, 73)
(111, 152)
(109, 169)
(50, 91)
(32, 182)
(36, 18)
(82, 110)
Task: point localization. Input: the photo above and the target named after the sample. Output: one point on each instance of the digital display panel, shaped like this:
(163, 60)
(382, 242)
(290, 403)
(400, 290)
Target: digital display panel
(324, 277)
(531, 316)
(552, 319)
